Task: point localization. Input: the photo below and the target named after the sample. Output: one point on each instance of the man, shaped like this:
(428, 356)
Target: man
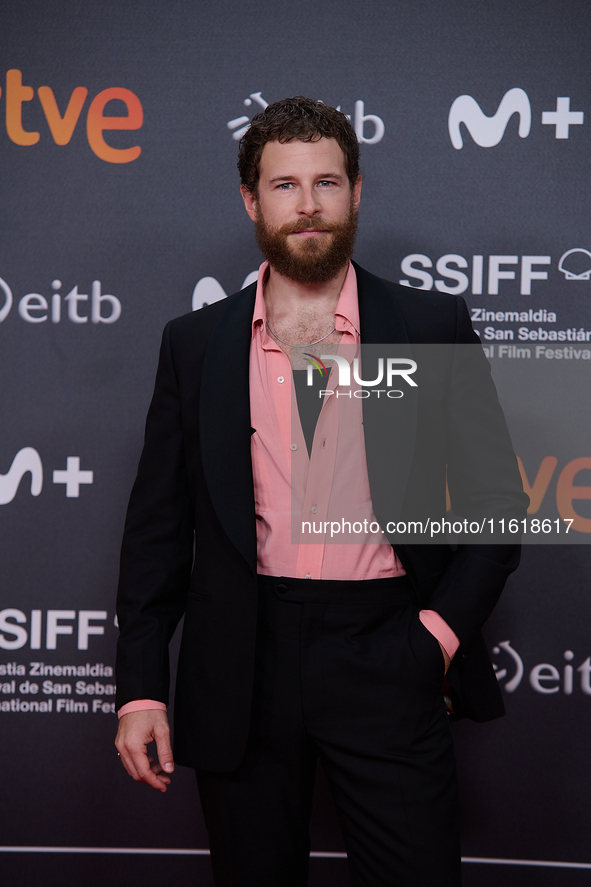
(298, 650)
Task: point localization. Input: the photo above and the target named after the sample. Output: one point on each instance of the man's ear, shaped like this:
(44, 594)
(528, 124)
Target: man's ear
(250, 202)
(356, 192)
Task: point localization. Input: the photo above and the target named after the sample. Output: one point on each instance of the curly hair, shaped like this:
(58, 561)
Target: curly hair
(295, 118)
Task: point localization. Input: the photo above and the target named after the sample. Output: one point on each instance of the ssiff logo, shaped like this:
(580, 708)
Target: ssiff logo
(573, 261)
(488, 131)
(481, 273)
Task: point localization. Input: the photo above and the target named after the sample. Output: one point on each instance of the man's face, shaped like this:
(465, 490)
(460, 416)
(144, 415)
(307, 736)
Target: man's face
(305, 212)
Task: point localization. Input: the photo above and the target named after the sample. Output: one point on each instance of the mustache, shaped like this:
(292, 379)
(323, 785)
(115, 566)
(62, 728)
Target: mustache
(306, 224)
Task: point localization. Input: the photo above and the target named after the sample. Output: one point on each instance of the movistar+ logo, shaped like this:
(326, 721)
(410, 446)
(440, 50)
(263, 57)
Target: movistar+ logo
(488, 131)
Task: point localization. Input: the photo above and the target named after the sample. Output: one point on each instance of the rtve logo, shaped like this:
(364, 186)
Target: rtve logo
(62, 126)
(488, 131)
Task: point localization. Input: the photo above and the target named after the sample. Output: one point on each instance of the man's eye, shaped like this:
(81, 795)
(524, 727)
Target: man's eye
(326, 183)
(284, 186)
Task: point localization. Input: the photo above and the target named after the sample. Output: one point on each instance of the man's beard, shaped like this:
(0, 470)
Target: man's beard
(315, 261)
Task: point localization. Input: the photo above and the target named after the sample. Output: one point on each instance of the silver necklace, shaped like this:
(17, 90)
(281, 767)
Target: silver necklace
(299, 344)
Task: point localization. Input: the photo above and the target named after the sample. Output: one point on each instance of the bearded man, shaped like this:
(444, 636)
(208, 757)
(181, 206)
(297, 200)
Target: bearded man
(294, 649)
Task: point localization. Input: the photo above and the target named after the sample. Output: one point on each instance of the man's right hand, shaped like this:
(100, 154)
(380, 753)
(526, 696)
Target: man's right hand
(136, 730)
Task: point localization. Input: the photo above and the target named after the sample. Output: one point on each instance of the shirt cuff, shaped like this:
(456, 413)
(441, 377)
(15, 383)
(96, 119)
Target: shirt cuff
(440, 630)
(141, 705)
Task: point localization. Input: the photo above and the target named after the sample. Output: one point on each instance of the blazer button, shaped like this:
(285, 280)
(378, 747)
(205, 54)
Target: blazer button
(281, 589)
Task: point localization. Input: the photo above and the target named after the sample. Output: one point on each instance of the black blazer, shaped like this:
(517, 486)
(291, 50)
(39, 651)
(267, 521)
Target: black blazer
(189, 546)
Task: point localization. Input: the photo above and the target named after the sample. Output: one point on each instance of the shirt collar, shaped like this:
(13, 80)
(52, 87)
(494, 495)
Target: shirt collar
(347, 310)
(259, 317)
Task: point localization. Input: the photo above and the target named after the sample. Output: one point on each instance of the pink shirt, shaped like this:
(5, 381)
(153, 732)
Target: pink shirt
(290, 487)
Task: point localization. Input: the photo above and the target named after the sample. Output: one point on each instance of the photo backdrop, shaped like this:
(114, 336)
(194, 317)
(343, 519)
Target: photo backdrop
(120, 209)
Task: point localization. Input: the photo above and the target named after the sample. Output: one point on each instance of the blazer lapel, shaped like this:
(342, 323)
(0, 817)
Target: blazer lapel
(389, 424)
(225, 424)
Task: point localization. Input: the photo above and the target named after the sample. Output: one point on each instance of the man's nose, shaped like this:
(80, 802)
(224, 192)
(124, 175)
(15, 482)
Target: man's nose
(308, 204)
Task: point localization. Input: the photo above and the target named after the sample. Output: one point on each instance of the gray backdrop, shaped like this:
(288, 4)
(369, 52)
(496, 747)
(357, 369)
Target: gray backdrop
(101, 245)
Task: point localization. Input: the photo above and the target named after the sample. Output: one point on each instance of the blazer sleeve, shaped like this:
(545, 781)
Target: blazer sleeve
(484, 485)
(157, 548)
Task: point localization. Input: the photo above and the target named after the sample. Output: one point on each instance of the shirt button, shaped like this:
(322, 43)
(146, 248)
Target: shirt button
(293, 447)
(314, 509)
(307, 576)
(281, 378)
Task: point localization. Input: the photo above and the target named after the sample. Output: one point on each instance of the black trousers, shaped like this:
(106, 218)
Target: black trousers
(347, 673)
